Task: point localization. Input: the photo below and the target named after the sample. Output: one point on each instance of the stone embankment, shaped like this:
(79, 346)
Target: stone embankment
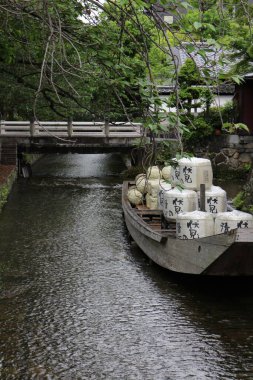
(8, 174)
(232, 153)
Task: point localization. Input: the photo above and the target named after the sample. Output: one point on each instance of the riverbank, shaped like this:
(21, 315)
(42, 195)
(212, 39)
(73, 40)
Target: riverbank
(8, 174)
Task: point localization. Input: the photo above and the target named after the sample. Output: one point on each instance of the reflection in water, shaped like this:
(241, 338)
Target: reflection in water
(79, 301)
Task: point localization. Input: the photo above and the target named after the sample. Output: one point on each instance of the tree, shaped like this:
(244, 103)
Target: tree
(94, 59)
(66, 65)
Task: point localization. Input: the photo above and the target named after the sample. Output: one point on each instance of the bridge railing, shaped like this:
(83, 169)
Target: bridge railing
(69, 129)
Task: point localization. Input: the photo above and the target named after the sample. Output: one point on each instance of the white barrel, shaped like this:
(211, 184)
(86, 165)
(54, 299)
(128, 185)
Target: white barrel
(153, 187)
(166, 173)
(163, 187)
(177, 201)
(154, 172)
(227, 221)
(215, 200)
(194, 225)
(151, 202)
(134, 196)
(195, 171)
(141, 183)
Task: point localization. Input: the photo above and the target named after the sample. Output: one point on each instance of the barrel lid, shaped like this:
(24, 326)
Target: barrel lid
(182, 192)
(199, 215)
(234, 215)
(214, 190)
(194, 161)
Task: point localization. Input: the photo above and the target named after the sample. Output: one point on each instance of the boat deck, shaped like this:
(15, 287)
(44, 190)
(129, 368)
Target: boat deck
(155, 220)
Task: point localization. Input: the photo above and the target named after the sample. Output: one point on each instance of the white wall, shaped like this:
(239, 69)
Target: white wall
(218, 102)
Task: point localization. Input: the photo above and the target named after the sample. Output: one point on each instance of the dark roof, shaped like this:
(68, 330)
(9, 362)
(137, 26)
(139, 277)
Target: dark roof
(211, 61)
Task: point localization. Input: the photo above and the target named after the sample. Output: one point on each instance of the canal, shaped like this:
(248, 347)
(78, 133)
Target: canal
(78, 300)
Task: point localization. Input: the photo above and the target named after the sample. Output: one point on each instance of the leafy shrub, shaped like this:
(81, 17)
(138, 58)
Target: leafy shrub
(225, 114)
(235, 127)
(197, 131)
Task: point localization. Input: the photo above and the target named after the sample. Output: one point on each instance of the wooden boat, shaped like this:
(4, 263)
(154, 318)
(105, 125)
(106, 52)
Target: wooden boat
(229, 254)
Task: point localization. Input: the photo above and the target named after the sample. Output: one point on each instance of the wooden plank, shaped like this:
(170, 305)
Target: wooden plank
(95, 124)
(121, 135)
(82, 128)
(90, 134)
(51, 134)
(17, 127)
(51, 130)
(10, 123)
(118, 123)
(123, 130)
(51, 127)
(53, 123)
(150, 212)
(152, 222)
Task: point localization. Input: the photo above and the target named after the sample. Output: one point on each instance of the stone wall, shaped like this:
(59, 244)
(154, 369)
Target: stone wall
(8, 154)
(231, 152)
(8, 175)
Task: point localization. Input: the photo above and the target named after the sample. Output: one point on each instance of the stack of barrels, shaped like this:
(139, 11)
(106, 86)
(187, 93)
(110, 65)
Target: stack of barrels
(176, 190)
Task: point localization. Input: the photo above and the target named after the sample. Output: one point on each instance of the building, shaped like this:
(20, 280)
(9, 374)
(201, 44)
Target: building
(244, 100)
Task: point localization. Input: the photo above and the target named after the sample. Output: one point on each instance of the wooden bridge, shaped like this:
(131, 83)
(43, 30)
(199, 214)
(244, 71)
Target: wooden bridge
(65, 136)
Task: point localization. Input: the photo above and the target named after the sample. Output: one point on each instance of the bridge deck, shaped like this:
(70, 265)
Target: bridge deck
(17, 129)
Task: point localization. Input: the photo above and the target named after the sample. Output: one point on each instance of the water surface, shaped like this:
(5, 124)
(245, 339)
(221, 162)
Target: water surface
(78, 300)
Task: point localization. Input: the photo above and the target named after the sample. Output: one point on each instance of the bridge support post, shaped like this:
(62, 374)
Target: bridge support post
(9, 153)
(107, 128)
(34, 127)
(2, 127)
(70, 127)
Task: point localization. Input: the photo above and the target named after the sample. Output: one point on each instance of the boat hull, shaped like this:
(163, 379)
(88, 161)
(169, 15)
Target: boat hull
(218, 255)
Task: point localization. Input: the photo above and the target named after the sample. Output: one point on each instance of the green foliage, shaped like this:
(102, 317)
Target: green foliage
(189, 74)
(238, 201)
(197, 131)
(205, 21)
(247, 167)
(161, 65)
(233, 128)
(241, 202)
(244, 200)
(5, 189)
(132, 172)
(102, 60)
(224, 114)
(4, 192)
(86, 71)
(191, 93)
(166, 151)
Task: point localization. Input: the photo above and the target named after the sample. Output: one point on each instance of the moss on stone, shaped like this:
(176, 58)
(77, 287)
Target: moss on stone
(6, 188)
(225, 173)
(244, 199)
(238, 201)
(30, 158)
